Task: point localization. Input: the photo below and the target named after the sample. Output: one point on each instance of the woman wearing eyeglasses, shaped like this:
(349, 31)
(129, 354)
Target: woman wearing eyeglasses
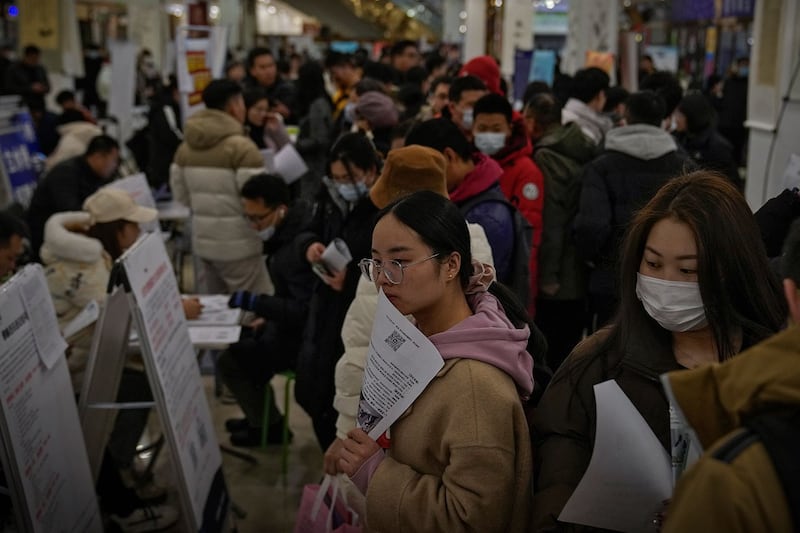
(343, 210)
(459, 459)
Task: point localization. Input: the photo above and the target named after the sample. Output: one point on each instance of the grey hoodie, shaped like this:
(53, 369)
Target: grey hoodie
(641, 141)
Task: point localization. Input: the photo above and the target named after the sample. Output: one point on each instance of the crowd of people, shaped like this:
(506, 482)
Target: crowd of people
(590, 235)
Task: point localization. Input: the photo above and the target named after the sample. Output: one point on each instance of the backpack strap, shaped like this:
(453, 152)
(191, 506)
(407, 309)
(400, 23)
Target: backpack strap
(780, 433)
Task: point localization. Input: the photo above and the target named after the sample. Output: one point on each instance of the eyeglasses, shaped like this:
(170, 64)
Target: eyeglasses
(255, 219)
(393, 270)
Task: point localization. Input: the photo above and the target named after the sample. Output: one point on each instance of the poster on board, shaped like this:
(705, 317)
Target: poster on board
(43, 449)
(200, 60)
(174, 377)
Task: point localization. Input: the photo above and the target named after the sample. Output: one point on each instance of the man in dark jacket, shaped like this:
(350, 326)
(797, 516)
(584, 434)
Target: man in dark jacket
(69, 183)
(27, 77)
(262, 71)
(248, 365)
(471, 175)
(638, 159)
(560, 152)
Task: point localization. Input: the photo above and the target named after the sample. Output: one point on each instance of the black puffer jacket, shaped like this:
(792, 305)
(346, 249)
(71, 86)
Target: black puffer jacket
(286, 311)
(712, 151)
(322, 340)
(637, 161)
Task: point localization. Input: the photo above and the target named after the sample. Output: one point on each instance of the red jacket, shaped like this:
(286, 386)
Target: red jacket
(523, 184)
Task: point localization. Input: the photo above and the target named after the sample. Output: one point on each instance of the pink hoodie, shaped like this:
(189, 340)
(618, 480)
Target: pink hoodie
(487, 336)
(490, 337)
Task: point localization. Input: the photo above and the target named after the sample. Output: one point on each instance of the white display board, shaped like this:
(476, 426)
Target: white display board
(171, 364)
(43, 450)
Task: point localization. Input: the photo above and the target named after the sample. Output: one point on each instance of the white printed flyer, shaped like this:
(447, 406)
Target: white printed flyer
(400, 364)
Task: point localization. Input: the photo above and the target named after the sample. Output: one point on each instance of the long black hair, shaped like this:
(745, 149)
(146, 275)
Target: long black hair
(310, 86)
(355, 150)
(739, 292)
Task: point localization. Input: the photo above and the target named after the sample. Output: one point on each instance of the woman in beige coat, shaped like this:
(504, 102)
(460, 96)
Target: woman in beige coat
(459, 458)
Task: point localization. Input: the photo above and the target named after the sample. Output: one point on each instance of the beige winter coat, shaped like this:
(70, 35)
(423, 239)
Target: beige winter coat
(207, 173)
(77, 271)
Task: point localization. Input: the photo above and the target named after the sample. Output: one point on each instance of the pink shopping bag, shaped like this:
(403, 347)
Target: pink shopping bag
(324, 509)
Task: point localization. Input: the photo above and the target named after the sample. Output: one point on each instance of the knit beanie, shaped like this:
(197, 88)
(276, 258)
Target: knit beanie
(408, 170)
(378, 110)
(485, 68)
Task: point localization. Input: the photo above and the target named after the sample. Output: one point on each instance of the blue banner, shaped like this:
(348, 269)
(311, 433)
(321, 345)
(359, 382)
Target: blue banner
(522, 64)
(544, 66)
(17, 163)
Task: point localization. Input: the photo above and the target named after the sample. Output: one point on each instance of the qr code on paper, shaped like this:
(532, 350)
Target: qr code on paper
(395, 340)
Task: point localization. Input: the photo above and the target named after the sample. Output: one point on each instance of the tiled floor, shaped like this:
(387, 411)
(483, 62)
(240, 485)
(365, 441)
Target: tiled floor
(269, 502)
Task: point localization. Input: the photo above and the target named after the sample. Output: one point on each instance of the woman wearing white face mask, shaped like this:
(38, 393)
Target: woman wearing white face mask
(695, 289)
(343, 210)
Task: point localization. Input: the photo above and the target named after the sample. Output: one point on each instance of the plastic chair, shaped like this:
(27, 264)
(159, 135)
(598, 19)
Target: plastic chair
(290, 377)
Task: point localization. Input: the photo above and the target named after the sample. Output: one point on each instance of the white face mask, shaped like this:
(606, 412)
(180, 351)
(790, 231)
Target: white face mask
(267, 233)
(489, 142)
(467, 118)
(351, 192)
(675, 305)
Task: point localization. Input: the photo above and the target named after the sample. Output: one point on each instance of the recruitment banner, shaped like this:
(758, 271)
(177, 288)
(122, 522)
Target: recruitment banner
(200, 60)
(39, 23)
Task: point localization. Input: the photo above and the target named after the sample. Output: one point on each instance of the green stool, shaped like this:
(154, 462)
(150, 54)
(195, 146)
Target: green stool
(290, 377)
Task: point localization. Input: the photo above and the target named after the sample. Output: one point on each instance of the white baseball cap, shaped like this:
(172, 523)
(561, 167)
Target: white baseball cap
(108, 205)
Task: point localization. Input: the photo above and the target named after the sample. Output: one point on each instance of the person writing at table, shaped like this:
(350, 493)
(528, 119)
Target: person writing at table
(247, 366)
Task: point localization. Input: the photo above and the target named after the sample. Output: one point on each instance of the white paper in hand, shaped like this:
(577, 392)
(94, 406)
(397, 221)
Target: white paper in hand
(337, 255)
(629, 475)
(401, 363)
(289, 165)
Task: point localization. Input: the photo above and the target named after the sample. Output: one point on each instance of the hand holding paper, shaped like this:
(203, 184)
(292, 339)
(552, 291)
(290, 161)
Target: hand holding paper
(630, 473)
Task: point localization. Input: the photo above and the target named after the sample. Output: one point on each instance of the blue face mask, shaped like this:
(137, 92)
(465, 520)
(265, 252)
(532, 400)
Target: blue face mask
(351, 192)
(350, 112)
(744, 71)
(489, 142)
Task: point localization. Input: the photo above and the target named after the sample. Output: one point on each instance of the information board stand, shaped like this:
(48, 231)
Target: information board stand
(43, 452)
(144, 292)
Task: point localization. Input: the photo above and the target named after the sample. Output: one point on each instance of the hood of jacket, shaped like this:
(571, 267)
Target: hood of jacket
(519, 145)
(716, 398)
(569, 141)
(490, 337)
(208, 127)
(85, 131)
(486, 173)
(577, 111)
(63, 239)
(641, 141)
